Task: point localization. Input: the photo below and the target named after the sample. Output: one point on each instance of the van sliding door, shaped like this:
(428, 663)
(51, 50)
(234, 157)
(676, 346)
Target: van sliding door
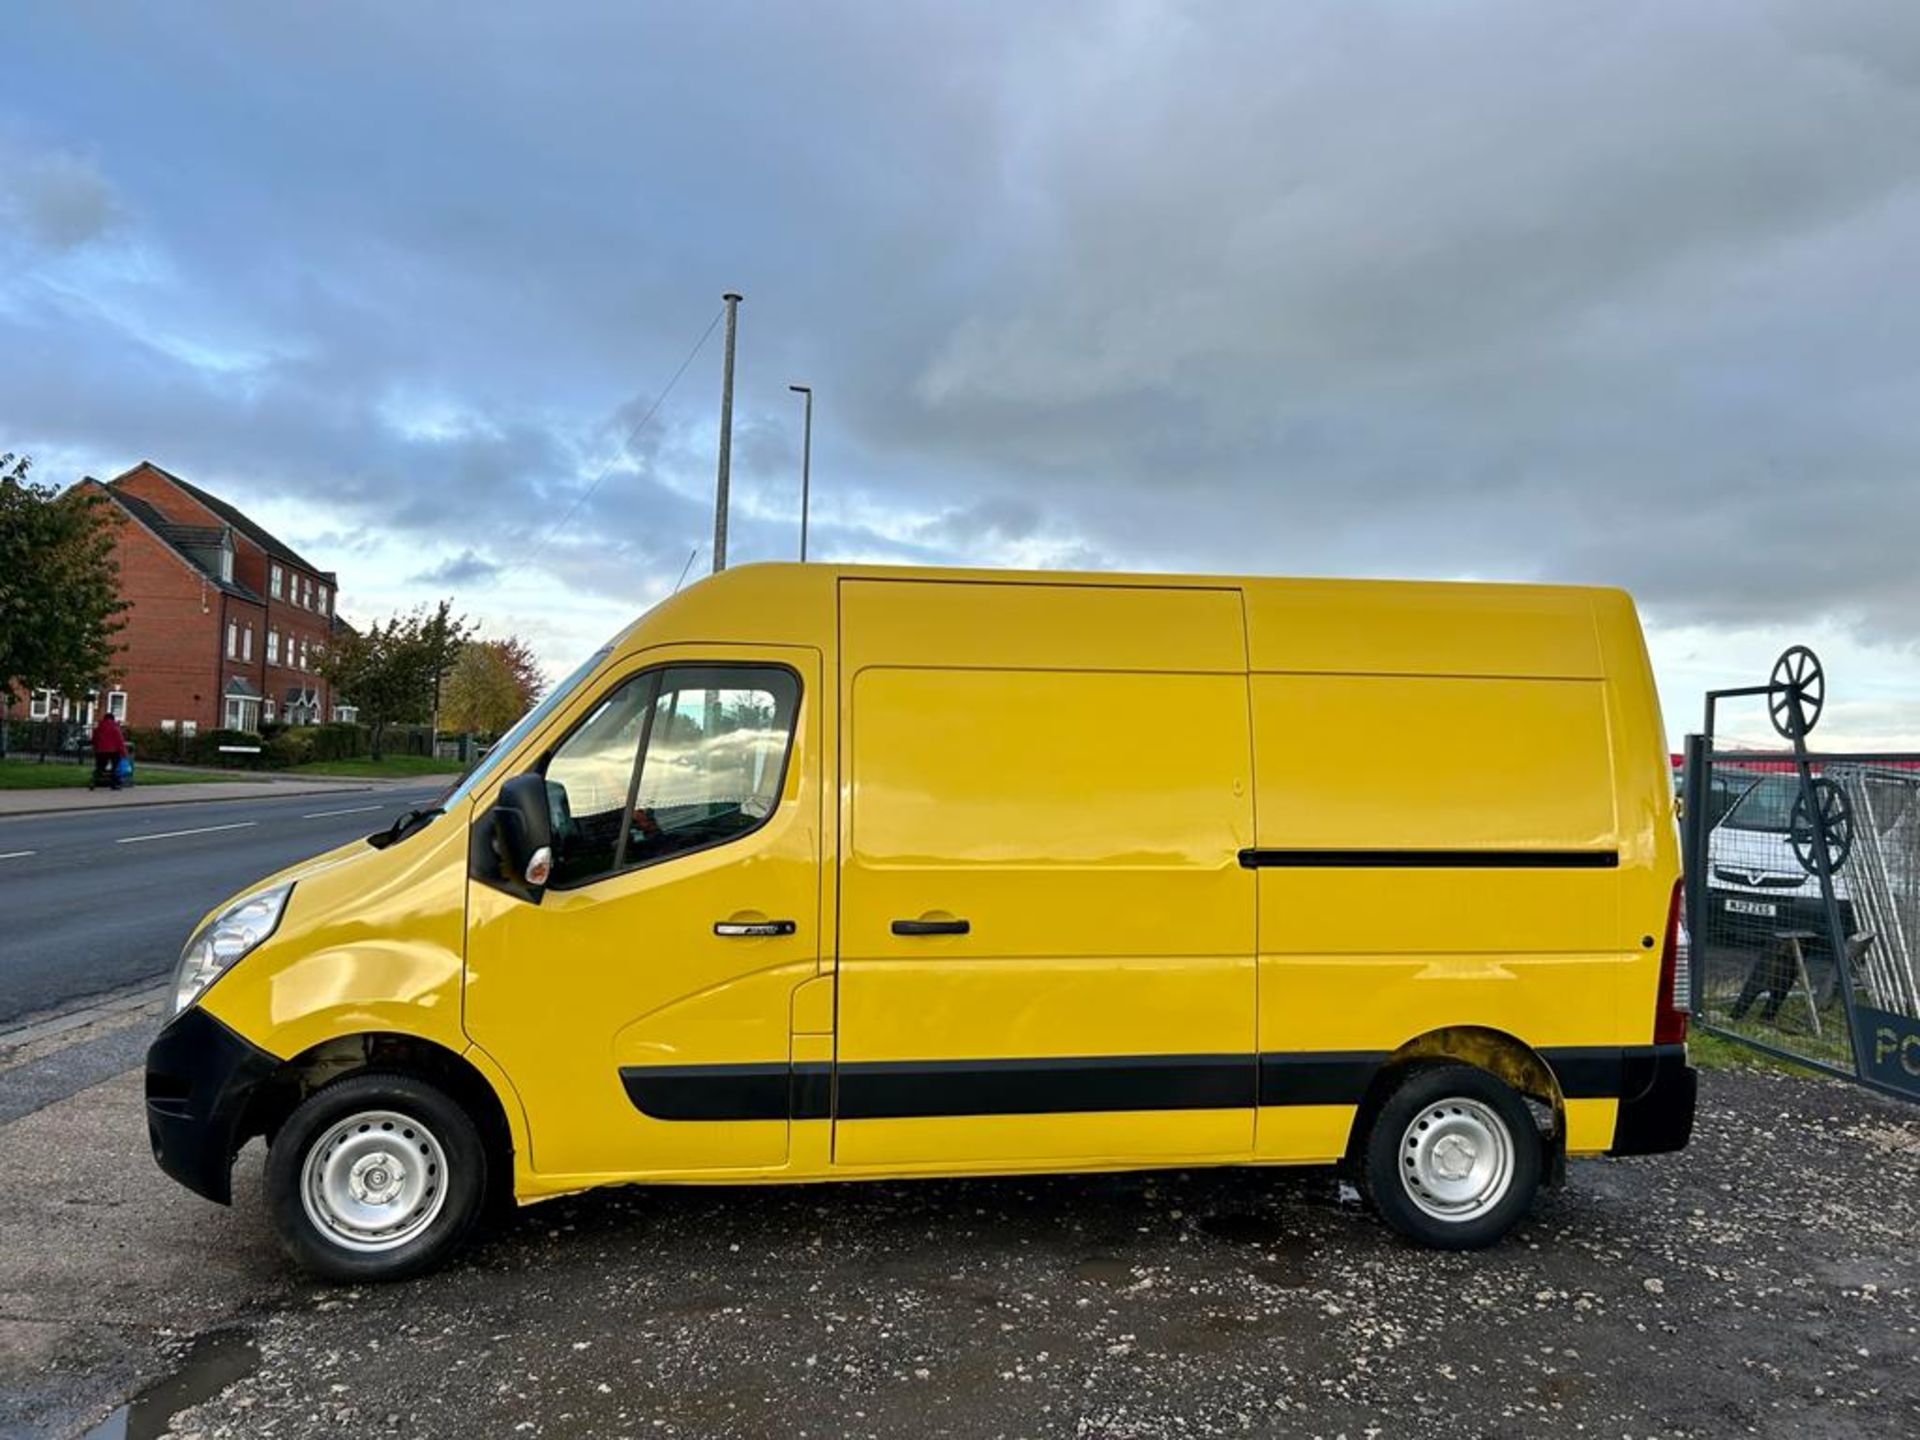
(1046, 940)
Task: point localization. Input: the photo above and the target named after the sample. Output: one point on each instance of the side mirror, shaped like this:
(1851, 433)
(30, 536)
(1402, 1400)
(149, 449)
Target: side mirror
(518, 833)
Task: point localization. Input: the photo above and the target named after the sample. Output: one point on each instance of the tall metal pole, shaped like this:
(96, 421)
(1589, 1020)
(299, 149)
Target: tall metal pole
(726, 439)
(806, 464)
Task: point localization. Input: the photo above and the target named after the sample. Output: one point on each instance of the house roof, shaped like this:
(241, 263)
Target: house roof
(260, 536)
(183, 540)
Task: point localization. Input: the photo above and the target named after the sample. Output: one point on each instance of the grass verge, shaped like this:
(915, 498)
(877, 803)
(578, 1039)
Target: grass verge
(1715, 1052)
(21, 773)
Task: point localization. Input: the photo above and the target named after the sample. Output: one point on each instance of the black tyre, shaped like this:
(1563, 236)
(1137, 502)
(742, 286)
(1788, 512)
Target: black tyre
(375, 1177)
(1453, 1159)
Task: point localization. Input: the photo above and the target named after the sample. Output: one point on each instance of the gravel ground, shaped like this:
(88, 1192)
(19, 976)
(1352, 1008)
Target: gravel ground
(1762, 1283)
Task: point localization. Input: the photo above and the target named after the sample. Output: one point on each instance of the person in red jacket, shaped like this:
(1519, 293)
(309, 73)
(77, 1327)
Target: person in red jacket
(108, 746)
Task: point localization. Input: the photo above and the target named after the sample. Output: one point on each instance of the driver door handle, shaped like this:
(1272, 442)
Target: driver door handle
(753, 927)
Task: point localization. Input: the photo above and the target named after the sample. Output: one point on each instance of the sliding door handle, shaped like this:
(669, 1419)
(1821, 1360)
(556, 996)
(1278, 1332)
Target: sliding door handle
(930, 927)
(753, 927)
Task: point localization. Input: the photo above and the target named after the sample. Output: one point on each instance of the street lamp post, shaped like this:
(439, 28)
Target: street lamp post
(806, 463)
(732, 300)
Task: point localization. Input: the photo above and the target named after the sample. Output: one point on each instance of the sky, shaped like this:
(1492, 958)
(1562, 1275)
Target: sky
(1475, 289)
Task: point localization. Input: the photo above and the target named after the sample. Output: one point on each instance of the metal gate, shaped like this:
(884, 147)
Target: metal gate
(1803, 891)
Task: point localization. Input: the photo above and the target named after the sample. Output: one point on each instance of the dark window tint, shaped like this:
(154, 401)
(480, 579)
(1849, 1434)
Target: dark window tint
(711, 742)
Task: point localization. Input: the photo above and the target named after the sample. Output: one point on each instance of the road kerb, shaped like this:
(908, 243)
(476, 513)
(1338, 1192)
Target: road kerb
(45, 1026)
(270, 790)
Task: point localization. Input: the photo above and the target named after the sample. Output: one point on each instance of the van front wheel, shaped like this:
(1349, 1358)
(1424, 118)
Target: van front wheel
(375, 1177)
(1453, 1159)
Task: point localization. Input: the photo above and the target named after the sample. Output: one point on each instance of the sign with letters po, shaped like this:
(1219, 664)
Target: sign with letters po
(1893, 1048)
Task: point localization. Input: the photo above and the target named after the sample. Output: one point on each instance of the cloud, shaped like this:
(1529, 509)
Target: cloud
(57, 201)
(466, 568)
(1504, 289)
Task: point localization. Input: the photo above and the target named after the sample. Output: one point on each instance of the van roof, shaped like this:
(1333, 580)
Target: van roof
(1403, 627)
(762, 571)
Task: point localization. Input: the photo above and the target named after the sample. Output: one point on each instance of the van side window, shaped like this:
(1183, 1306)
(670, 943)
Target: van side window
(587, 782)
(716, 754)
(711, 747)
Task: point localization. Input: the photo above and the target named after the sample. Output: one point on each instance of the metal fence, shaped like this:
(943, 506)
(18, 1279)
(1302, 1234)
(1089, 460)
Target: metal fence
(1803, 892)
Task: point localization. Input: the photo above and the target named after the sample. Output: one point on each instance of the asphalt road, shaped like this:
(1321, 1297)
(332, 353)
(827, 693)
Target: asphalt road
(98, 900)
(1763, 1283)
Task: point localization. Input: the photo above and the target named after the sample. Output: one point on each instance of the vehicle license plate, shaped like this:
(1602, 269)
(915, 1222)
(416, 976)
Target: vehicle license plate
(1751, 907)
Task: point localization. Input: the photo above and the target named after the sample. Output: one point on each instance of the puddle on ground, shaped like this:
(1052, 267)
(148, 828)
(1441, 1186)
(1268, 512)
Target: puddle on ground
(1104, 1270)
(212, 1363)
(1243, 1229)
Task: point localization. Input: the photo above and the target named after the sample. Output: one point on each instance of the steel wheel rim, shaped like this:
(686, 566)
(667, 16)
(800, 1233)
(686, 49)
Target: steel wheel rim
(1456, 1160)
(374, 1180)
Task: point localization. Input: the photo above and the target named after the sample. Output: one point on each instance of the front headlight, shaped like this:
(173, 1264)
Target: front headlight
(216, 945)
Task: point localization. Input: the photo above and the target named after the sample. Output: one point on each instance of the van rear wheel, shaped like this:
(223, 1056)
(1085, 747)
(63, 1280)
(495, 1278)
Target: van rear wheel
(1454, 1158)
(375, 1177)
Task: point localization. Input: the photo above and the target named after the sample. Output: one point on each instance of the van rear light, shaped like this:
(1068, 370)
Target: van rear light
(1669, 1003)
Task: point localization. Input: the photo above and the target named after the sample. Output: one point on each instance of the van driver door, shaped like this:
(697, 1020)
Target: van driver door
(640, 1005)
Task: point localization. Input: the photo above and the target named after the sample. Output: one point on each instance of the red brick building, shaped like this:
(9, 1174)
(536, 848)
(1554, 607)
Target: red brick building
(226, 622)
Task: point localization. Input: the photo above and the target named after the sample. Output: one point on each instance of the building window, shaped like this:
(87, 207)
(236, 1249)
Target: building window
(345, 714)
(242, 713)
(246, 644)
(166, 727)
(322, 603)
(189, 728)
(40, 706)
(303, 652)
(266, 709)
(226, 563)
(275, 584)
(273, 647)
(233, 639)
(117, 705)
(306, 593)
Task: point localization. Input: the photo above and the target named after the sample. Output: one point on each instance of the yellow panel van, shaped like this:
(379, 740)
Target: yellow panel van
(824, 873)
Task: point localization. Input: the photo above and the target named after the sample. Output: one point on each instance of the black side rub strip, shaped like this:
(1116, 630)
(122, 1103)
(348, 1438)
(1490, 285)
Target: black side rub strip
(895, 1089)
(710, 1092)
(1276, 859)
(902, 1089)
(1317, 1077)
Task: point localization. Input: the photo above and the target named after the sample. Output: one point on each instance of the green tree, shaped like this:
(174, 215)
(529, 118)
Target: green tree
(60, 603)
(442, 636)
(386, 670)
(485, 693)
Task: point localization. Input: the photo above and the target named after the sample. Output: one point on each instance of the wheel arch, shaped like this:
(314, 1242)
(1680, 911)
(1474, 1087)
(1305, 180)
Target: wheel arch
(1504, 1056)
(364, 1052)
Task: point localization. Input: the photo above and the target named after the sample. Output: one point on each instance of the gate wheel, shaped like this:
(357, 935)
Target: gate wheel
(1835, 821)
(1797, 692)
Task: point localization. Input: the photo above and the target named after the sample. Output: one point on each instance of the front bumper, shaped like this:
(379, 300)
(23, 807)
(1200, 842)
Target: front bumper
(201, 1080)
(1657, 1102)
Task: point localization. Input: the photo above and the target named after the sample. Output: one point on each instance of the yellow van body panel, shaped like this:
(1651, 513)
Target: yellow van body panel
(1006, 763)
(371, 941)
(1197, 829)
(627, 972)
